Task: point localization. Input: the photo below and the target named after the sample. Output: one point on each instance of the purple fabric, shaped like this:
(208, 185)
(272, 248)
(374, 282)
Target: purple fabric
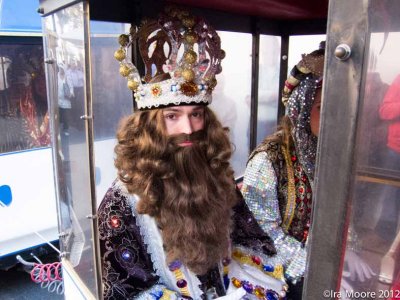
(127, 267)
(247, 232)
(122, 279)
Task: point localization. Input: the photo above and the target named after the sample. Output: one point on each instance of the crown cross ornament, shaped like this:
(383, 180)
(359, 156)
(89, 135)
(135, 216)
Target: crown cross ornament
(181, 53)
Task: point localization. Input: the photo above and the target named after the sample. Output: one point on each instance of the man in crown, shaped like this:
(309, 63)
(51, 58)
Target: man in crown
(173, 225)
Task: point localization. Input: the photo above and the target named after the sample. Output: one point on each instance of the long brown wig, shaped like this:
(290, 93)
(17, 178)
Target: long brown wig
(283, 134)
(189, 190)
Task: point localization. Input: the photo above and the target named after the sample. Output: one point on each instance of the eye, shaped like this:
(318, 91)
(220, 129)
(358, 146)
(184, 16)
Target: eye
(170, 116)
(197, 114)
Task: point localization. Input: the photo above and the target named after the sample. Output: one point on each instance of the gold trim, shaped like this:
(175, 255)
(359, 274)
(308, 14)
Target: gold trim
(166, 294)
(247, 259)
(179, 276)
(291, 194)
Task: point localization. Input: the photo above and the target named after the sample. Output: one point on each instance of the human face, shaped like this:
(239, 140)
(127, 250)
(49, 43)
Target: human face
(315, 113)
(184, 119)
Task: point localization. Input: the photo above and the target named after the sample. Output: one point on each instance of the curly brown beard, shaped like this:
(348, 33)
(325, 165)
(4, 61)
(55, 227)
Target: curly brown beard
(189, 190)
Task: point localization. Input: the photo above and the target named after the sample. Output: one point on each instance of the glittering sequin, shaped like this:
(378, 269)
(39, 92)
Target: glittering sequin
(260, 190)
(299, 110)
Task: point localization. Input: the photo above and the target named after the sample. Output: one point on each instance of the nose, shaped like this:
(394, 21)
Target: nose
(186, 126)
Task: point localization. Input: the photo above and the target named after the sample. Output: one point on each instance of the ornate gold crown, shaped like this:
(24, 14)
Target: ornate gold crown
(181, 53)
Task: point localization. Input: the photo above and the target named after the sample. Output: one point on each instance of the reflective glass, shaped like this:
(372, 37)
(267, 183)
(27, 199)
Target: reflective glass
(24, 121)
(371, 269)
(64, 46)
(231, 97)
(26, 171)
(112, 100)
(268, 86)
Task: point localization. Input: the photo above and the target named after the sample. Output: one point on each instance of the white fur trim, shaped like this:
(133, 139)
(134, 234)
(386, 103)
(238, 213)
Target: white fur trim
(153, 240)
(145, 98)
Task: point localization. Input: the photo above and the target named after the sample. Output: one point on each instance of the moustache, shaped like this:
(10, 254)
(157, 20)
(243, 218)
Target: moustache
(183, 139)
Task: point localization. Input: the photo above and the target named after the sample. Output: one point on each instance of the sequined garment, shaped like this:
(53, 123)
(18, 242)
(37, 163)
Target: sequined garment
(133, 260)
(299, 110)
(265, 189)
(278, 181)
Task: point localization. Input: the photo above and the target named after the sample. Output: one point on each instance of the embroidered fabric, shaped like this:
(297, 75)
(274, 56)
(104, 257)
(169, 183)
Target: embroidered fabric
(134, 263)
(298, 110)
(168, 94)
(297, 208)
(127, 268)
(154, 292)
(138, 234)
(152, 238)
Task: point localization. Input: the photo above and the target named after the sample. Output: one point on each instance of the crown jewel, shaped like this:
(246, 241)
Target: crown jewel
(181, 53)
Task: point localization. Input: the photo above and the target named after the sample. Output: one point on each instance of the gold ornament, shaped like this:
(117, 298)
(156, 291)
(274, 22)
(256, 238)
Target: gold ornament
(182, 14)
(189, 89)
(222, 54)
(303, 69)
(120, 54)
(156, 90)
(259, 292)
(123, 40)
(124, 70)
(236, 282)
(293, 81)
(188, 22)
(188, 74)
(133, 84)
(212, 83)
(190, 56)
(178, 72)
(191, 37)
(186, 69)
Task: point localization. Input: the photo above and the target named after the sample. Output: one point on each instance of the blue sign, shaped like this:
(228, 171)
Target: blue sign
(5, 195)
(20, 16)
